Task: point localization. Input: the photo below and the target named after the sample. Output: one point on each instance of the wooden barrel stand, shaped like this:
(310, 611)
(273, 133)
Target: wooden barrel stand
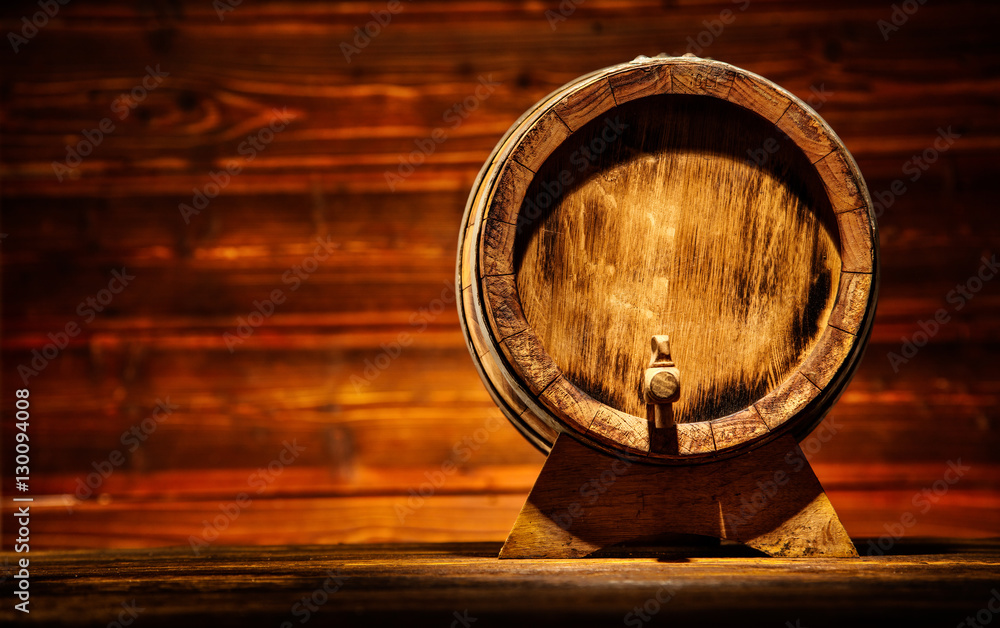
(668, 272)
(585, 501)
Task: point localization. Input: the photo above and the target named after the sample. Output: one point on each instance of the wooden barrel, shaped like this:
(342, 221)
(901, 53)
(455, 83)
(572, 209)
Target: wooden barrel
(681, 205)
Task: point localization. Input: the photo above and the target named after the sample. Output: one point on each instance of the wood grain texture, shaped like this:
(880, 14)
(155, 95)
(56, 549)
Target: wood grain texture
(582, 102)
(843, 188)
(808, 135)
(512, 184)
(503, 305)
(588, 97)
(695, 438)
(852, 301)
(576, 408)
(326, 174)
(531, 362)
(497, 248)
(477, 332)
(738, 428)
(753, 93)
(618, 429)
(703, 81)
(793, 395)
(831, 351)
(641, 81)
(856, 239)
(490, 363)
(547, 133)
(581, 498)
(918, 583)
(585, 104)
(477, 510)
(641, 243)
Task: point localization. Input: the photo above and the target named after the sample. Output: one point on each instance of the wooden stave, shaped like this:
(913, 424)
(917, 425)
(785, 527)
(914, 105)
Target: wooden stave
(521, 405)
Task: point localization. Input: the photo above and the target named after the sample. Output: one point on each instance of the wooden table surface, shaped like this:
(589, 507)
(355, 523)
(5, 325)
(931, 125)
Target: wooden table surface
(918, 583)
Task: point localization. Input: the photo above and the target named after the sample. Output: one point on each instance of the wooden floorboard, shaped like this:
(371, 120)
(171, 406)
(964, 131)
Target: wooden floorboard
(920, 582)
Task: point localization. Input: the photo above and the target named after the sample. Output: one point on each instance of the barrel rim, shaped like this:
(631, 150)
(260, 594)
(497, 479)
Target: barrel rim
(538, 395)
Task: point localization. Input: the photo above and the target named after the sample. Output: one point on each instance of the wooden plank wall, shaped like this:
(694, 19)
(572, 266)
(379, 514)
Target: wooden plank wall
(358, 445)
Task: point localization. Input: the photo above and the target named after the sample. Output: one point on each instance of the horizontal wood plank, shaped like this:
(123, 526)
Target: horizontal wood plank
(919, 583)
(308, 374)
